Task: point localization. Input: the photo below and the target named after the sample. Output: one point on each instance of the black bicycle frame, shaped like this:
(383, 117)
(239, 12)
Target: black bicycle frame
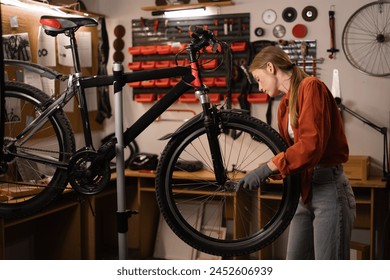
(107, 152)
(119, 79)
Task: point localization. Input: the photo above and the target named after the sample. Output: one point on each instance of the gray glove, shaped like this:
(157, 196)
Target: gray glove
(254, 179)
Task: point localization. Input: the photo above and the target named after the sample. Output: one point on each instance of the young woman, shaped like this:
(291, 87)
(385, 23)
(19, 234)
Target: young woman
(310, 122)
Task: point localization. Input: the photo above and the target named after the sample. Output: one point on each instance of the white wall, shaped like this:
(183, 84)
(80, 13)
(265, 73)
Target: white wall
(367, 95)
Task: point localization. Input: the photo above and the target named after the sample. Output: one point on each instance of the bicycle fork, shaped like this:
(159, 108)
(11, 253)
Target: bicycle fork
(211, 124)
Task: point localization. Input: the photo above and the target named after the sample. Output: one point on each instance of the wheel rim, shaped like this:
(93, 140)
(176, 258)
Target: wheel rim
(29, 185)
(232, 223)
(366, 39)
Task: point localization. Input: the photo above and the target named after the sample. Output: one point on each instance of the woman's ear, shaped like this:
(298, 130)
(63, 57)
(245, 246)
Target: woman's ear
(270, 67)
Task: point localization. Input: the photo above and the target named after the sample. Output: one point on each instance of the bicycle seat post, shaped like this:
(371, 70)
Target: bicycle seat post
(73, 46)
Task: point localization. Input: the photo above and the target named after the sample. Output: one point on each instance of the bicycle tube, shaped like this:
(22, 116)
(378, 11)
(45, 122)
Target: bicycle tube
(157, 109)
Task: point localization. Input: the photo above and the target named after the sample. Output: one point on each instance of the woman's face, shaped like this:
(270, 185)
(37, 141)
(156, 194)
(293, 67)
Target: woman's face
(267, 80)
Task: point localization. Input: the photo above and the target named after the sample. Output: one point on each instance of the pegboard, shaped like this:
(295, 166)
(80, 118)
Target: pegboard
(164, 33)
(229, 28)
(303, 53)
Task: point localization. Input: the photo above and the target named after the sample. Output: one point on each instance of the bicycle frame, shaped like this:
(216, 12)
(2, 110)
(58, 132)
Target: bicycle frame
(191, 78)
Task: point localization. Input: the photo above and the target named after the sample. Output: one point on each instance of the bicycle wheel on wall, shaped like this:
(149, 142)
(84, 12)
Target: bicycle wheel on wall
(366, 39)
(219, 219)
(31, 182)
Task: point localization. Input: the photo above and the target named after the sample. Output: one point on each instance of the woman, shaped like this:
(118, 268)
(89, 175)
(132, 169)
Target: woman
(310, 122)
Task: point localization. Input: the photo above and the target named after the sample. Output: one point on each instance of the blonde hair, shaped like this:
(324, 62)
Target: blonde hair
(281, 60)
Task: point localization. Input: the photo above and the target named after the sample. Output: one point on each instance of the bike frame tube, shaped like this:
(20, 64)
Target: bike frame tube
(84, 117)
(155, 111)
(41, 119)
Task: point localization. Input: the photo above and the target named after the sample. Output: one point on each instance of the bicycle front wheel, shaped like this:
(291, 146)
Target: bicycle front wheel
(218, 219)
(32, 179)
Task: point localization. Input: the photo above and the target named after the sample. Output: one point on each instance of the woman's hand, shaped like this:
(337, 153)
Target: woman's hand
(255, 178)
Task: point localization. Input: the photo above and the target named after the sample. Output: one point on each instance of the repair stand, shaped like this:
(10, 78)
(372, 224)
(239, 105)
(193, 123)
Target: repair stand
(122, 214)
(3, 165)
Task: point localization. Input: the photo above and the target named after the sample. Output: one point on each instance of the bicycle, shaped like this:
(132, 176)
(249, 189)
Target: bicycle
(39, 157)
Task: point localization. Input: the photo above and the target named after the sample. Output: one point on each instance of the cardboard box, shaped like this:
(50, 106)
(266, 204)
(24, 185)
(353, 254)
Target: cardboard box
(359, 251)
(357, 167)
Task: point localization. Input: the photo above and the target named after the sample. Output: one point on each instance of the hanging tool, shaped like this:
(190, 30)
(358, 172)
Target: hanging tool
(304, 54)
(336, 84)
(231, 22)
(155, 26)
(314, 73)
(332, 49)
(225, 26)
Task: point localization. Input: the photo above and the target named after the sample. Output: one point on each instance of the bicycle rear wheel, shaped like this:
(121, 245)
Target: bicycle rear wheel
(366, 39)
(31, 182)
(218, 219)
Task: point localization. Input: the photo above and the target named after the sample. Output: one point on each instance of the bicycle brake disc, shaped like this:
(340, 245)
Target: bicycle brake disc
(88, 180)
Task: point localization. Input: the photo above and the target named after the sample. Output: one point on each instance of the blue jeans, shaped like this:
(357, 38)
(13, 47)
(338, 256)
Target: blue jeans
(321, 228)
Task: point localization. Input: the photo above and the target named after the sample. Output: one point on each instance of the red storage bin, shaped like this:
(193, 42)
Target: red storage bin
(148, 83)
(146, 50)
(175, 48)
(238, 46)
(173, 81)
(209, 49)
(220, 82)
(209, 64)
(136, 65)
(135, 50)
(144, 97)
(162, 82)
(214, 97)
(234, 97)
(188, 98)
(209, 81)
(148, 65)
(258, 97)
(162, 64)
(134, 84)
(179, 63)
(163, 49)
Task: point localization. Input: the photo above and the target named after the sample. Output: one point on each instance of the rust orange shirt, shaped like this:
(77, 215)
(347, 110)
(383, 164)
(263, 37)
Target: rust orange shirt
(319, 138)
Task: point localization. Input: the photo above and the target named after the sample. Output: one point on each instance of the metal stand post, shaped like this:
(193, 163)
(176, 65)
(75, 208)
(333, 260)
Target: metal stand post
(122, 213)
(3, 165)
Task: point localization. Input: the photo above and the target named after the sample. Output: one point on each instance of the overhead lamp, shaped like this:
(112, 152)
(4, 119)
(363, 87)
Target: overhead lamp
(187, 12)
(34, 6)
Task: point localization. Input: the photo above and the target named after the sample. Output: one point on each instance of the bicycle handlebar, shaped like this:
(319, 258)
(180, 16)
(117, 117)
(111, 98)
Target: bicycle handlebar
(202, 38)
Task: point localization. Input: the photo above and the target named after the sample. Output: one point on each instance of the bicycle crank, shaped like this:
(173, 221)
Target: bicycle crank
(85, 180)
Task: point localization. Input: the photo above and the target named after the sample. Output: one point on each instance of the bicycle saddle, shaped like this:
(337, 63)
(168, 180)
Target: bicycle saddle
(55, 25)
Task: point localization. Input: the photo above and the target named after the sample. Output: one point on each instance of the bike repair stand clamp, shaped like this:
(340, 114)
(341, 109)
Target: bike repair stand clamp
(123, 214)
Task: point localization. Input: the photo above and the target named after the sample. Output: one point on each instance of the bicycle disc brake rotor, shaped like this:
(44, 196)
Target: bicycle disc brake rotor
(88, 180)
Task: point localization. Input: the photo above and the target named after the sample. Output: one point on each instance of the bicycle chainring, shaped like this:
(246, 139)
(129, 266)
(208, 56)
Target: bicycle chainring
(83, 178)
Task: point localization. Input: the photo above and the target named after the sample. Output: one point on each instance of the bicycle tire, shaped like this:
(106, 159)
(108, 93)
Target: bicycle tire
(29, 186)
(365, 39)
(257, 223)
